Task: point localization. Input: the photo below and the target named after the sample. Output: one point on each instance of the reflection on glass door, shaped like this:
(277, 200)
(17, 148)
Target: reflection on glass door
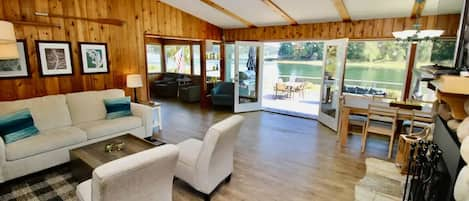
(332, 79)
(247, 80)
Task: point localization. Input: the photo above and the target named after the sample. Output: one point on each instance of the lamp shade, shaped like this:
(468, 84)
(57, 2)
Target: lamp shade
(9, 51)
(134, 81)
(7, 32)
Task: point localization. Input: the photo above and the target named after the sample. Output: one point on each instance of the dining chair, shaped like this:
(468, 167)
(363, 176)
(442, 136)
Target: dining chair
(420, 120)
(357, 101)
(381, 120)
(383, 99)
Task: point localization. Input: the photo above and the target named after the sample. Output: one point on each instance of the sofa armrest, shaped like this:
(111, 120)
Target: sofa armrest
(146, 113)
(2, 159)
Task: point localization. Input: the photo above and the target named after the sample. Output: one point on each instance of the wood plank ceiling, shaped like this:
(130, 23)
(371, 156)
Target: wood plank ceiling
(261, 13)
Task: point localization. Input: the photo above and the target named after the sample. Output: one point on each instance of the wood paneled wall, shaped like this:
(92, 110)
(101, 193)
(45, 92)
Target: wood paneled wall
(125, 44)
(361, 29)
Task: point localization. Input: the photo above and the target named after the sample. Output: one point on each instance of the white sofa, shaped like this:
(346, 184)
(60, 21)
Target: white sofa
(66, 122)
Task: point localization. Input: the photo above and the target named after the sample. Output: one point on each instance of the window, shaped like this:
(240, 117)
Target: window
(196, 59)
(153, 58)
(213, 61)
(376, 68)
(439, 52)
(229, 62)
(178, 59)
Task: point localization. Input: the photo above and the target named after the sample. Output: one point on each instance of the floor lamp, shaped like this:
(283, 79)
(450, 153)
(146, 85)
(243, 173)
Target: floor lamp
(8, 48)
(134, 81)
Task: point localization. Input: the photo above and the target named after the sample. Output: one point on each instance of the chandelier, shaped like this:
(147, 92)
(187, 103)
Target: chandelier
(416, 34)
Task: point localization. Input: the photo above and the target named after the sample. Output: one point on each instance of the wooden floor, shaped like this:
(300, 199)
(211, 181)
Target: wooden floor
(277, 157)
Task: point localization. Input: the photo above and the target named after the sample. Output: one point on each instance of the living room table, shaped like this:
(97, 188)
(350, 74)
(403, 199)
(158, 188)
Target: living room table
(84, 160)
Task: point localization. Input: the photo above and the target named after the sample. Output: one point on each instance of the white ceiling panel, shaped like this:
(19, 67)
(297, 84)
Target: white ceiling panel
(254, 11)
(369, 9)
(434, 7)
(308, 11)
(205, 12)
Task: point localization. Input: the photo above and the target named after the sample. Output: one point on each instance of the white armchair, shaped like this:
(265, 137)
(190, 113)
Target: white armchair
(204, 165)
(147, 175)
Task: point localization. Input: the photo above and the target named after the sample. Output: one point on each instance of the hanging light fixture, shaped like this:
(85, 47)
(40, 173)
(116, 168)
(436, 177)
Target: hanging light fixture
(416, 34)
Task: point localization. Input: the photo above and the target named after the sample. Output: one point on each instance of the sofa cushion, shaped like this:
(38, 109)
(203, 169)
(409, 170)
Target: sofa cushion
(47, 140)
(17, 126)
(89, 106)
(48, 112)
(100, 128)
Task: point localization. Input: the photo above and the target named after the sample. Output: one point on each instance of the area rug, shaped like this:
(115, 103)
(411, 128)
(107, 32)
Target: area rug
(54, 184)
(382, 182)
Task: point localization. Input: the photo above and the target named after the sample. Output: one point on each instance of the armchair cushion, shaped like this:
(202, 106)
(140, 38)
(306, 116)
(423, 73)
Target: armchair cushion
(189, 151)
(84, 191)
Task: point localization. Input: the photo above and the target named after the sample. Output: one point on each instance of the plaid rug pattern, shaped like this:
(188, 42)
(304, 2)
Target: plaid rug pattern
(54, 185)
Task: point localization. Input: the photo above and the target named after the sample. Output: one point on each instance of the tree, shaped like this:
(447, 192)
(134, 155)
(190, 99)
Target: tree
(285, 51)
(443, 51)
(355, 51)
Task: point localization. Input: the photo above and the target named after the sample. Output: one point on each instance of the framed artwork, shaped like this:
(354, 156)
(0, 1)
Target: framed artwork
(16, 68)
(55, 57)
(93, 57)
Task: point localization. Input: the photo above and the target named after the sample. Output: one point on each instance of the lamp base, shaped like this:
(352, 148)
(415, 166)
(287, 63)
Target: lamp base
(135, 95)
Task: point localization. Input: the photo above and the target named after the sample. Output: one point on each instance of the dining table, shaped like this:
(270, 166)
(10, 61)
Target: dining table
(404, 113)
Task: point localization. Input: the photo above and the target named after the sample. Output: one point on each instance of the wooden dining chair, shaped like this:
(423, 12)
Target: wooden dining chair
(381, 120)
(356, 101)
(420, 120)
(383, 99)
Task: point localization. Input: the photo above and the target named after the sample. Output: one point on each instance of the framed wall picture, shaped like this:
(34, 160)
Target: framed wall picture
(16, 68)
(55, 57)
(93, 57)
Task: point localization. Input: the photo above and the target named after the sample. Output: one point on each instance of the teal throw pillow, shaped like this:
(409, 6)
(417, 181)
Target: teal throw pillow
(117, 107)
(17, 126)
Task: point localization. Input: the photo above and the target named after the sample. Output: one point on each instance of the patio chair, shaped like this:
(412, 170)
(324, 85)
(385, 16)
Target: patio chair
(301, 90)
(280, 87)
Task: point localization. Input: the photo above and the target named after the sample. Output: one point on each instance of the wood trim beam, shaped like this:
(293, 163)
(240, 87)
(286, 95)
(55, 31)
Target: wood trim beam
(280, 11)
(227, 12)
(343, 12)
(417, 8)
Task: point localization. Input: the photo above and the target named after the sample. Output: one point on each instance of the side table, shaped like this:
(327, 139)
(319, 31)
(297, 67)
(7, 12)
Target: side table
(156, 107)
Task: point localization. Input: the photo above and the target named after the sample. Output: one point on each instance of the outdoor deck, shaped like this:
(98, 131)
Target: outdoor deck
(307, 106)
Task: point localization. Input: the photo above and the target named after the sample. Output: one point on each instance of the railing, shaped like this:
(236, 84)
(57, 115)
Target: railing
(368, 83)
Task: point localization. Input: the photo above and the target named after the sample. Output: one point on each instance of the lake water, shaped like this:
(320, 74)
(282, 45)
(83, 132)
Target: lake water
(388, 78)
